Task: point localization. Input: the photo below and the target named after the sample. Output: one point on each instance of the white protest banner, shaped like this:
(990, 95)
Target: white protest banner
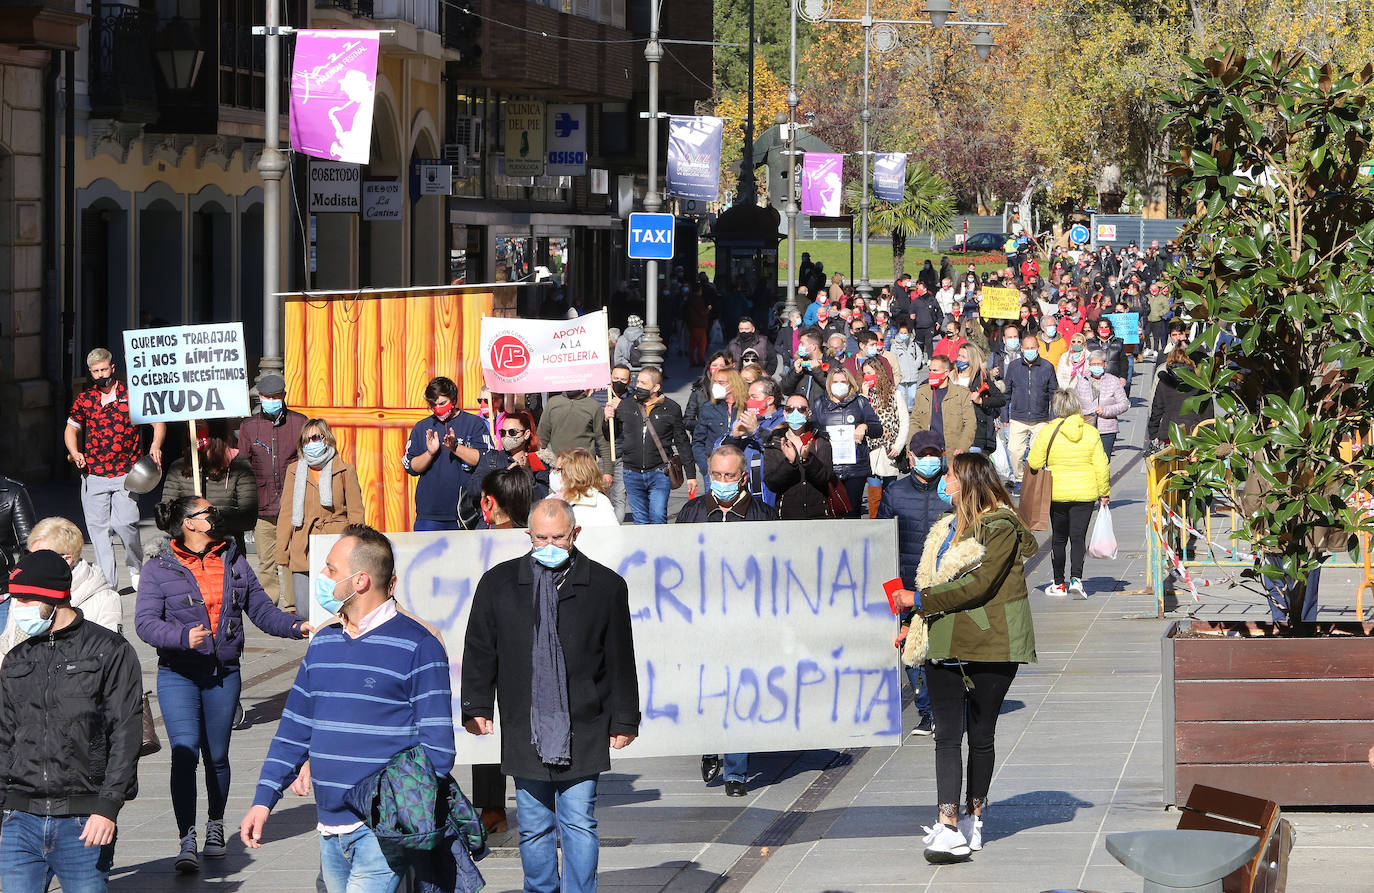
(186, 372)
(529, 356)
(749, 638)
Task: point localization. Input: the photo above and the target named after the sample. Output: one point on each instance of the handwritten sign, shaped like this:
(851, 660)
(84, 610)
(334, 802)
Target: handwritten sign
(186, 372)
(748, 638)
(526, 356)
(1125, 326)
(1000, 303)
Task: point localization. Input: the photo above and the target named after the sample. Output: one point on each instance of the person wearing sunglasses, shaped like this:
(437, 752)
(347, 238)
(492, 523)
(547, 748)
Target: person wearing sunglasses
(192, 597)
(519, 448)
(321, 495)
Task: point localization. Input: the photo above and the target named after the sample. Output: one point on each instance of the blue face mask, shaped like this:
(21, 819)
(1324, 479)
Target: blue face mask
(325, 589)
(796, 419)
(1030, 354)
(872, 351)
(1096, 371)
(961, 365)
(945, 496)
(29, 619)
(724, 492)
(272, 407)
(550, 555)
(801, 350)
(315, 450)
(927, 466)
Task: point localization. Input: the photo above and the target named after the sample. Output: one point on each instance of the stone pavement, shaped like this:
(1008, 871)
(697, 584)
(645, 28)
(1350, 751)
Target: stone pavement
(1079, 749)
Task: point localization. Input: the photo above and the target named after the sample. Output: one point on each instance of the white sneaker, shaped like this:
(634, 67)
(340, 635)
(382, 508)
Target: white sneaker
(1076, 588)
(1056, 590)
(945, 845)
(133, 578)
(971, 826)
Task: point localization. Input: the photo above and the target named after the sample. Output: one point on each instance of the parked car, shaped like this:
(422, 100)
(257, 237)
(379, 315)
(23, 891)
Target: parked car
(980, 242)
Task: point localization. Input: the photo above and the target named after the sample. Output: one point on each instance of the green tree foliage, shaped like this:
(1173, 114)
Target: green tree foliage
(771, 42)
(927, 208)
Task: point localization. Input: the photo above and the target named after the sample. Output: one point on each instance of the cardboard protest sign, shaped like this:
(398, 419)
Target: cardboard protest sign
(186, 372)
(765, 641)
(528, 356)
(1000, 303)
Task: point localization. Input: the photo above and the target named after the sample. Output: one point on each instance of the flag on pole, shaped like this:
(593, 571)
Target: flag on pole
(889, 176)
(694, 156)
(822, 183)
(333, 84)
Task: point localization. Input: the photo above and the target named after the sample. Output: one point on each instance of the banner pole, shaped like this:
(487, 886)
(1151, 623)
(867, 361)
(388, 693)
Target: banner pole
(611, 423)
(195, 456)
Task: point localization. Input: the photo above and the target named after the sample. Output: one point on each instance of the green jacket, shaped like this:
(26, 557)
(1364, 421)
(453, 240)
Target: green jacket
(1159, 305)
(569, 424)
(974, 598)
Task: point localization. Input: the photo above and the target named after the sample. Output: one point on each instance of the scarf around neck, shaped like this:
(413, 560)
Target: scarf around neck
(326, 468)
(550, 717)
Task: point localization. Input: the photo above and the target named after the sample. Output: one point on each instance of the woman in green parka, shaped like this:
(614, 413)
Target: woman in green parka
(973, 630)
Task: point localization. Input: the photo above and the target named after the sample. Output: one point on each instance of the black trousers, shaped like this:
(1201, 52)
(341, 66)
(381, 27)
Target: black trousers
(1069, 526)
(957, 708)
(923, 337)
(488, 786)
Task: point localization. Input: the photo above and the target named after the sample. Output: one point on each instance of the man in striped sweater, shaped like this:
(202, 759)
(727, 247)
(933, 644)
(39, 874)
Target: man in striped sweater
(369, 688)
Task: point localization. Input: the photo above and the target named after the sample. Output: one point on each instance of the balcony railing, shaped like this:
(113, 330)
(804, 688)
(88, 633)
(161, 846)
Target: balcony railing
(121, 82)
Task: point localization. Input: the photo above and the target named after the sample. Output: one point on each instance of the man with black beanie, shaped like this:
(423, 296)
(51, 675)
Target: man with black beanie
(71, 726)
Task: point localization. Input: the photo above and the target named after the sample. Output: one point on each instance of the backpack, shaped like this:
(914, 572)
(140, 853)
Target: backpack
(635, 357)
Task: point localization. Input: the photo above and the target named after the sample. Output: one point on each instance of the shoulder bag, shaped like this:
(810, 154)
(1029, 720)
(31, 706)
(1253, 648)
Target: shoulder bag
(1037, 488)
(675, 474)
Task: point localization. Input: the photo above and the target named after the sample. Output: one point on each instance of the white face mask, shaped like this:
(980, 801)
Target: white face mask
(719, 391)
(840, 390)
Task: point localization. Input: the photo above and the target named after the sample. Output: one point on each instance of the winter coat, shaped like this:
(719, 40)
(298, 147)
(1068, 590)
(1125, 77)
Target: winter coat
(270, 449)
(1030, 387)
(1054, 349)
(598, 655)
(235, 497)
(1115, 350)
(1075, 458)
(974, 597)
(71, 723)
(1106, 405)
(90, 592)
(692, 410)
(925, 311)
(16, 522)
(293, 543)
(170, 605)
(986, 411)
(594, 510)
(1166, 409)
(629, 340)
(883, 465)
(757, 343)
(714, 422)
(638, 451)
(495, 460)
(1067, 372)
(960, 425)
(704, 509)
(572, 424)
(916, 504)
(752, 447)
(911, 363)
(808, 383)
(854, 410)
(802, 485)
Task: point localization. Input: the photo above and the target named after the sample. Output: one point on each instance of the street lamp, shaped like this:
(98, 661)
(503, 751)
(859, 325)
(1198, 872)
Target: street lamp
(179, 54)
(883, 36)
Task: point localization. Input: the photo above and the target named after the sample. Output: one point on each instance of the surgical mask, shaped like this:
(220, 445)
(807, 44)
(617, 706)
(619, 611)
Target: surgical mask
(872, 350)
(802, 350)
(927, 466)
(796, 419)
(961, 365)
(272, 407)
(840, 390)
(903, 339)
(1029, 353)
(1076, 352)
(1051, 331)
(1097, 371)
(718, 391)
(315, 450)
(1011, 343)
(643, 394)
(511, 444)
(550, 555)
(29, 619)
(725, 491)
(325, 589)
(945, 496)
(619, 388)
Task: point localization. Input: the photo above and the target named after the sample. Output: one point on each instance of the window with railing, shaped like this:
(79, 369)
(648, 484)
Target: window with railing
(423, 14)
(607, 12)
(121, 83)
(243, 55)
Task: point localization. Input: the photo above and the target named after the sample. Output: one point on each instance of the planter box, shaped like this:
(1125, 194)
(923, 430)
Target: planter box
(1284, 719)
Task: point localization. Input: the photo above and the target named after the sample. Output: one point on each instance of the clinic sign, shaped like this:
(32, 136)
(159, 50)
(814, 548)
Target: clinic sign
(186, 372)
(651, 236)
(768, 641)
(524, 138)
(335, 187)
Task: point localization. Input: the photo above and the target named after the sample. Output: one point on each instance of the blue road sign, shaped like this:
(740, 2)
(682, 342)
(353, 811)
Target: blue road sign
(651, 236)
(1078, 233)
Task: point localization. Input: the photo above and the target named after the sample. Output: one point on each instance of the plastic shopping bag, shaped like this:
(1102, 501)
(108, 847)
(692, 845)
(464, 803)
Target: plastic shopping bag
(1102, 543)
(1001, 458)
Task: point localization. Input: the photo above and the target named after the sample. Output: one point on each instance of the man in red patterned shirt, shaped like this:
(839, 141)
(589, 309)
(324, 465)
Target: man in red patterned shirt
(100, 416)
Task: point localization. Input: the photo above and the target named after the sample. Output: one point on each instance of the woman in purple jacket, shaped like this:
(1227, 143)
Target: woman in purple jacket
(1103, 398)
(191, 600)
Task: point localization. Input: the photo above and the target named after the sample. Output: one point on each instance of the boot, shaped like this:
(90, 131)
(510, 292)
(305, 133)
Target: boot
(875, 498)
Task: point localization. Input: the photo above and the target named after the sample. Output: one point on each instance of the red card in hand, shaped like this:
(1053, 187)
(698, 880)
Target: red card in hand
(892, 587)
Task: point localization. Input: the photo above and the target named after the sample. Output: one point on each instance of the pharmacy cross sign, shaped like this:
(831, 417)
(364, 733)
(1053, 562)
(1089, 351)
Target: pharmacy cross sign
(651, 236)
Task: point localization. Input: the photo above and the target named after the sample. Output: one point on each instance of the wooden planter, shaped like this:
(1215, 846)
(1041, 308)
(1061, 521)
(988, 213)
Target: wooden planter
(1288, 720)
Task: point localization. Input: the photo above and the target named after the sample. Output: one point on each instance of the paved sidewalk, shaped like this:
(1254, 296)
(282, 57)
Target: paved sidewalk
(1079, 758)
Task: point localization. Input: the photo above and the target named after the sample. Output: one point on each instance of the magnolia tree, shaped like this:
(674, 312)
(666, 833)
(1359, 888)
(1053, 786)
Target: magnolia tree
(1280, 270)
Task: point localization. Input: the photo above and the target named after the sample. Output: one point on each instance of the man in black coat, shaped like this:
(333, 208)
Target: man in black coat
(549, 636)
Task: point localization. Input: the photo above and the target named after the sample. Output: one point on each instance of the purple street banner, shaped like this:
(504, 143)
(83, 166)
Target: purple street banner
(889, 176)
(694, 157)
(822, 183)
(333, 83)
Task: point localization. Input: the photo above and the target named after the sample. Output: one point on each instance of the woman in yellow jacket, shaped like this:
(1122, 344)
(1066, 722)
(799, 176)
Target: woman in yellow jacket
(1072, 450)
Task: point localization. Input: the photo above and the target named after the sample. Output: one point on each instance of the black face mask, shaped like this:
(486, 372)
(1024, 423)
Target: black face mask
(619, 388)
(102, 381)
(643, 394)
(573, 395)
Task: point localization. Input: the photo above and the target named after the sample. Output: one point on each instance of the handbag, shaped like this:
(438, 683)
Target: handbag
(675, 474)
(837, 498)
(1037, 488)
(151, 744)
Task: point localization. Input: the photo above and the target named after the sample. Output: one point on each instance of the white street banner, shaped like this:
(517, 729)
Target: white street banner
(531, 356)
(567, 141)
(186, 372)
(749, 638)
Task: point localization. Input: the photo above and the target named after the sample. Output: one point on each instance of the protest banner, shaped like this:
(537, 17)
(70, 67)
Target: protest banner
(889, 176)
(527, 356)
(1125, 326)
(333, 84)
(822, 186)
(1000, 303)
(694, 156)
(186, 372)
(771, 640)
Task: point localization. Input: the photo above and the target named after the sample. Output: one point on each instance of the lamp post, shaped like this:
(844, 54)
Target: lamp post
(793, 100)
(272, 166)
(651, 347)
(887, 39)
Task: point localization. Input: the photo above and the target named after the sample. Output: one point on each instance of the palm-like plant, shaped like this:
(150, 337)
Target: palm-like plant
(927, 208)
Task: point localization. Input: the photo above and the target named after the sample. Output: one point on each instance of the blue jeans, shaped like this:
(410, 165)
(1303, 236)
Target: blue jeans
(735, 767)
(647, 492)
(425, 526)
(199, 716)
(4, 612)
(908, 392)
(917, 677)
(354, 863)
(571, 806)
(33, 847)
